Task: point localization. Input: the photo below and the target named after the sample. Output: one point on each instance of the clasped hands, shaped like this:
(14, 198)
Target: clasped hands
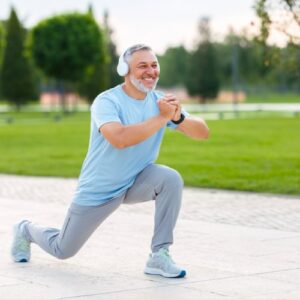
(169, 107)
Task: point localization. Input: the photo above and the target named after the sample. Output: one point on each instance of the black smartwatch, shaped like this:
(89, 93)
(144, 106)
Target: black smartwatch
(182, 117)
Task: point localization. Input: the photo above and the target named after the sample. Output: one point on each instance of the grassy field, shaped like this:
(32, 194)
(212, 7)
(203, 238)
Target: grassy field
(242, 154)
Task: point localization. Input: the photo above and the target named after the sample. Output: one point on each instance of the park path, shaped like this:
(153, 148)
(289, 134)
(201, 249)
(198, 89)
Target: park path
(235, 245)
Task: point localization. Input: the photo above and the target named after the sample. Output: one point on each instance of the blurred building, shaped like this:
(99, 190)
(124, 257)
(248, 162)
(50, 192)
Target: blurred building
(223, 96)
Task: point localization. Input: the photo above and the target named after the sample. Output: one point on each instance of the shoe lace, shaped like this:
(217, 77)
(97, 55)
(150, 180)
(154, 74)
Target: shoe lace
(166, 255)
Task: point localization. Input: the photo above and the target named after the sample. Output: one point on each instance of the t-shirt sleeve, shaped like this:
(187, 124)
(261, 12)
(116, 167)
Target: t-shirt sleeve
(104, 110)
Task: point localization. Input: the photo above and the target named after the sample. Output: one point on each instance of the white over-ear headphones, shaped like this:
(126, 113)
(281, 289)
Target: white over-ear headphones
(122, 67)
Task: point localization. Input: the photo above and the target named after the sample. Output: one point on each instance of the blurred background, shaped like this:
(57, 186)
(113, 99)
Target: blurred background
(236, 51)
(235, 63)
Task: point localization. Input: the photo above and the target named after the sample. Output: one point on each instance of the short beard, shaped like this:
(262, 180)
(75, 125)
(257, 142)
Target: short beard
(138, 85)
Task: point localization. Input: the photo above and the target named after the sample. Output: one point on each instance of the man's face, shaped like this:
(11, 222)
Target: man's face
(144, 70)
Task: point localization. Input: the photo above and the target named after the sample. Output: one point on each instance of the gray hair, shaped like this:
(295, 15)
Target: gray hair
(138, 47)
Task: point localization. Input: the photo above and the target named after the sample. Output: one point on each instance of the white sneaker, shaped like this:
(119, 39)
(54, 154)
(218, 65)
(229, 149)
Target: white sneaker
(161, 263)
(20, 249)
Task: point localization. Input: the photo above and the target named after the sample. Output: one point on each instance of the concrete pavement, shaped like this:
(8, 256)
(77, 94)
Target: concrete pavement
(234, 245)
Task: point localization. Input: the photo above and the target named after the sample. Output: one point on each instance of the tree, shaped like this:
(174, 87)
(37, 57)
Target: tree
(202, 78)
(114, 77)
(94, 80)
(279, 15)
(173, 67)
(97, 77)
(282, 16)
(17, 83)
(248, 56)
(286, 73)
(1, 48)
(1, 42)
(67, 46)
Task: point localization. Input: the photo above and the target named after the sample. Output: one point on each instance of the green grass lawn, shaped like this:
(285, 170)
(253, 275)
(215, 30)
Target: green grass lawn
(242, 154)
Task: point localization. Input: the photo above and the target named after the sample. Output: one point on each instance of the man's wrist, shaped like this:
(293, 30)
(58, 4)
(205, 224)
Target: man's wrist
(163, 119)
(180, 120)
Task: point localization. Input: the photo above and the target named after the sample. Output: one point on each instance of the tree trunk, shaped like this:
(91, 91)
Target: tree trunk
(62, 95)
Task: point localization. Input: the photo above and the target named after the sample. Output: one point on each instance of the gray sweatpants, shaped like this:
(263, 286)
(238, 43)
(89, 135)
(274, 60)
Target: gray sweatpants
(156, 182)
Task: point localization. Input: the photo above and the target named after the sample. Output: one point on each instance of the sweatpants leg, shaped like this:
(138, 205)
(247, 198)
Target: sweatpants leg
(79, 224)
(164, 185)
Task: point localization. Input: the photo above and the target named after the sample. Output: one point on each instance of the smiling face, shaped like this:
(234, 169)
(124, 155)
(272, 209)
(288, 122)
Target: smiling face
(143, 71)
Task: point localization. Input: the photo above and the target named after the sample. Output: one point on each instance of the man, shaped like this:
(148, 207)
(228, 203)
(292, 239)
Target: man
(127, 125)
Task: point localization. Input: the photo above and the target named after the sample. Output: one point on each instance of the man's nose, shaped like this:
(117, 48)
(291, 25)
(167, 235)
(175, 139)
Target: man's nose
(152, 70)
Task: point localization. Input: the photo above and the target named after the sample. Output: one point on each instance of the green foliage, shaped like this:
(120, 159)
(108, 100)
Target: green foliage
(254, 61)
(1, 42)
(96, 77)
(240, 62)
(234, 157)
(173, 65)
(263, 15)
(287, 71)
(94, 80)
(203, 73)
(257, 66)
(64, 46)
(113, 77)
(2, 39)
(287, 22)
(17, 84)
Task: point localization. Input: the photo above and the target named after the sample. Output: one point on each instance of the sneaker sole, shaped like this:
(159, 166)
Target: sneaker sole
(22, 260)
(153, 271)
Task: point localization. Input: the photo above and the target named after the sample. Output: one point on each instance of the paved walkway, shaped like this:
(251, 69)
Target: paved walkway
(234, 246)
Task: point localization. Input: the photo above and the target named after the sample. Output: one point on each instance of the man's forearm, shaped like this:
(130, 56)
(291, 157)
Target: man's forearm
(130, 135)
(195, 128)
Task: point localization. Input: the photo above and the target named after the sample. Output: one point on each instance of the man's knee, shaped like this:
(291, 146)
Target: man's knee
(173, 179)
(65, 253)
(170, 188)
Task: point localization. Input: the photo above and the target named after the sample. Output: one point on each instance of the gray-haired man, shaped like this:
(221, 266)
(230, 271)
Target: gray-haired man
(127, 126)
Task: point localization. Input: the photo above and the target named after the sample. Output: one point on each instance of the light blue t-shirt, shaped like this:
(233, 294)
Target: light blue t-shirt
(107, 172)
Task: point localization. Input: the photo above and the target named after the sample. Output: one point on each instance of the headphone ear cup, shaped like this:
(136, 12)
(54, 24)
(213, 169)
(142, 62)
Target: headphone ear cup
(122, 67)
